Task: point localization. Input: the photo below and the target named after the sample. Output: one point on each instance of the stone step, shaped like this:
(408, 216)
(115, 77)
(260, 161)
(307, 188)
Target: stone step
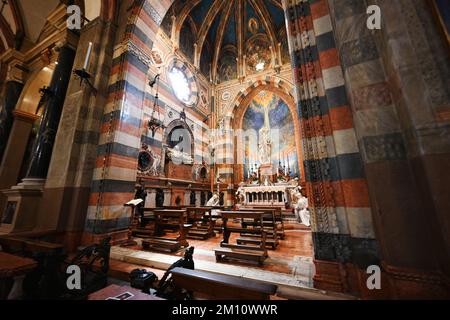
(295, 288)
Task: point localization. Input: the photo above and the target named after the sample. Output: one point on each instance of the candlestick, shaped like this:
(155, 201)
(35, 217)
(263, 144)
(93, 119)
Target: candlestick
(289, 166)
(88, 56)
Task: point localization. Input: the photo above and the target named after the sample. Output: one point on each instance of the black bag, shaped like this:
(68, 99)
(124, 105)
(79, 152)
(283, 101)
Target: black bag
(143, 280)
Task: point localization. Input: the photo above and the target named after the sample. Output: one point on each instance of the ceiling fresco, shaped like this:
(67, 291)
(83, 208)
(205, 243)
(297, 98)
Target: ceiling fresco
(227, 32)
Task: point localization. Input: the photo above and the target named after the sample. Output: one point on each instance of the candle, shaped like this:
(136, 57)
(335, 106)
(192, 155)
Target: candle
(88, 56)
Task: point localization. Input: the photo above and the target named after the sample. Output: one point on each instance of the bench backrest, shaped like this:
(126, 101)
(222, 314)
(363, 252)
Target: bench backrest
(242, 214)
(222, 287)
(30, 246)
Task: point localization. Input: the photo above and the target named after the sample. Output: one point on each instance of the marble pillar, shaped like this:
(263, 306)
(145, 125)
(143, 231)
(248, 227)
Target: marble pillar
(25, 198)
(16, 148)
(15, 151)
(43, 148)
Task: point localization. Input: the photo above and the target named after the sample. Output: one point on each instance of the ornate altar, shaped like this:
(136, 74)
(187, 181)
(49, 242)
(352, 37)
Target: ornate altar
(278, 194)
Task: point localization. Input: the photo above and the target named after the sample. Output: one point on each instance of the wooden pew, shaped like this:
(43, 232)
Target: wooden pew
(203, 223)
(19, 245)
(213, 286)
(160, 243)
(48, 280)
(257, 253)
(146, 229)
(270, 226)
(278, 218)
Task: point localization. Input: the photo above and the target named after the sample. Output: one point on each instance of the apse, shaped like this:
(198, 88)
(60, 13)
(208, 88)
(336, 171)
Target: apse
(281, 124)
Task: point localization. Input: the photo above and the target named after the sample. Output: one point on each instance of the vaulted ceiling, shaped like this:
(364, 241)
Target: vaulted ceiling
(229, 39)
(22, 21)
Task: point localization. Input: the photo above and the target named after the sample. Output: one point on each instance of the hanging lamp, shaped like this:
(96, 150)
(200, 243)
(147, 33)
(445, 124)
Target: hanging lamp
(154, 124)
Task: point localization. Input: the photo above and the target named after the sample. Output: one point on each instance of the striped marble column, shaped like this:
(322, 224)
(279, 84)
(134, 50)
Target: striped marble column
(394, 78)
(337, 187)
(120, 138)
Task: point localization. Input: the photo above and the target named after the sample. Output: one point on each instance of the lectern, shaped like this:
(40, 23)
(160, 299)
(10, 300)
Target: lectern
(133, 204)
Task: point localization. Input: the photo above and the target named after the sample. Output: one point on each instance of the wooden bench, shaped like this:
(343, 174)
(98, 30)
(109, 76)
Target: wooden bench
(203, 223)
(270, 243)
(19, 245)
(269, 225)
(158, 242)
(12, 267)
(278, 219)
(257, 253)
(48, 280)
(221, 287)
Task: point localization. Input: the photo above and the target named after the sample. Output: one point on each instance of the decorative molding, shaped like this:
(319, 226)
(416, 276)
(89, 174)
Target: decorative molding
(139, 53)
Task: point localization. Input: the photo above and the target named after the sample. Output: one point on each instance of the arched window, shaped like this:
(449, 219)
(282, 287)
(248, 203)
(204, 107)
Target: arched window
(180, 84)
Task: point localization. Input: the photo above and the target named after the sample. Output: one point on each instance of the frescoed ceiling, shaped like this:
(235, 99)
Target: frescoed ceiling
(229, 39)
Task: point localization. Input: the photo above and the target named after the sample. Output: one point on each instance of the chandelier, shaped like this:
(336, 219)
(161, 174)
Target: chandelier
(155, 123)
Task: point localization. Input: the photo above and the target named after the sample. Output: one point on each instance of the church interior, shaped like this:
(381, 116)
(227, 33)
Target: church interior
(231, 150)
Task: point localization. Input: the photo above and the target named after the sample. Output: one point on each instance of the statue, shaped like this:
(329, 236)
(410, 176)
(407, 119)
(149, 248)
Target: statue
(267, 182)
(265, 145)
(159, 198)
(253, 180)
(301, 206)
(179, 157)
(154, 170)
(214, 201)
(240, 195)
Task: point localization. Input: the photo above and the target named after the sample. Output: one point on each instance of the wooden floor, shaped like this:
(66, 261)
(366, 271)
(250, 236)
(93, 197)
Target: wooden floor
(287, 258)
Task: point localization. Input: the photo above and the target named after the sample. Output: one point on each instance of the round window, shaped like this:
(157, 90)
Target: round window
(180, 84)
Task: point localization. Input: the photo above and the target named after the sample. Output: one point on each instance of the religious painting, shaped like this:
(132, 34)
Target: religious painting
(259, 55)
(205, 61)
(269, 137)
(187, 40)
(227, 65)
(166, 24)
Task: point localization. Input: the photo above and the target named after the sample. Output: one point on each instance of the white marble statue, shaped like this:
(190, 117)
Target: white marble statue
(301, 206)
(154, 170)
(240, 195)
(214, 201)
(178, 156)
